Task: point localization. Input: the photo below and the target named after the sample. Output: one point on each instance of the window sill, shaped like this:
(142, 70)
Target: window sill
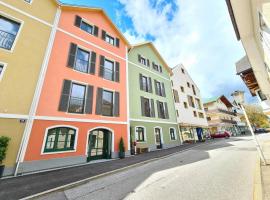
(57, 152)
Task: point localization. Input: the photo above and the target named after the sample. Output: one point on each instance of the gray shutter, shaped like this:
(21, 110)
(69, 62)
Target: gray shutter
(93, 63)
(117, 71)
(78, 20)
(158, 109)
(156, 89)
(89, 100)
(117, 42)
(160, 68)
(166, 110)
(116, 104)
(139, 58)
(63, 105)
(150, 85)
(152, 108)
(141, 84)
(72, 55)
(99, 101)
(103, 36)
(142, 106)
(101, 66)
(148, 63)
(163, 90)
(96, 31)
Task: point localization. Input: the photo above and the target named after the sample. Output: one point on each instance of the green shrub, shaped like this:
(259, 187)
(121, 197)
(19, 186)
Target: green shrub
(121, 145)
(3, 147)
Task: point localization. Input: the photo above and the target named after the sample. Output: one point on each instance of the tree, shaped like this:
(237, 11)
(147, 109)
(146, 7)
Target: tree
(256, 116)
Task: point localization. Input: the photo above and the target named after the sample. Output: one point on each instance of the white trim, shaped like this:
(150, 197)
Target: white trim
(96, 128)
(41, 78)
(25, 13)
(90, 43)
(161, 135)
(13, 116)
(68, 119)
(21, 22)
(4, 69)
(136, 134)
(127, 99)
(148, 70)
(174, 133)
(152, 121)
(57, 152)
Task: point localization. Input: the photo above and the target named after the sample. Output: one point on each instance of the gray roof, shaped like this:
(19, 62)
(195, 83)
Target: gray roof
(243, 65)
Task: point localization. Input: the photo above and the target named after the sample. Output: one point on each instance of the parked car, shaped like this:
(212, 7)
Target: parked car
(221, 134)
(260, 130)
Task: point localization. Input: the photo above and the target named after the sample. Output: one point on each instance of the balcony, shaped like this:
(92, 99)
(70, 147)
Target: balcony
(228, 121)
(6, 40)
(227, 112)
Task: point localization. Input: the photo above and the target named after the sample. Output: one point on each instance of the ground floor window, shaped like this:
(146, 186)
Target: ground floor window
(60, 139)
(140, 134)
(172, 134)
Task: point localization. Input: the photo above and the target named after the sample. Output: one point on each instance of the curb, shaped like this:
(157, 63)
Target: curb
(257, 188)
(86, 180)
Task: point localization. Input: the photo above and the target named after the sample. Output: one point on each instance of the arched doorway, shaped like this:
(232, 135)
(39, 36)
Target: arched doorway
(99, 144)
(158, 137)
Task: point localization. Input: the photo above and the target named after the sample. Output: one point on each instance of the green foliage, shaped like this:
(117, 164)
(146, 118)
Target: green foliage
(121, 145)
(3, 147)
(256, 116)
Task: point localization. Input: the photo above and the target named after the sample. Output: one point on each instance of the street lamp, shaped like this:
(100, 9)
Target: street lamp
(240, 100)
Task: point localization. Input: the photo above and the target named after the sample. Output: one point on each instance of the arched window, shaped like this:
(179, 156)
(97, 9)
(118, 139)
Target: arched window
(172, 134)
(140, 134)
(60, 139)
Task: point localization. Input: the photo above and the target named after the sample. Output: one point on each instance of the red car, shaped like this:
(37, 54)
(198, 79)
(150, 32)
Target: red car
(221, 134)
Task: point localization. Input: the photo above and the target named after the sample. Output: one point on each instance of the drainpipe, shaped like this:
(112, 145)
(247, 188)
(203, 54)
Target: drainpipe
(33, 108)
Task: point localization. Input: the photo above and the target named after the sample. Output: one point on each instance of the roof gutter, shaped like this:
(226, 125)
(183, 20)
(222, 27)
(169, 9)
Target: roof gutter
(230, 9)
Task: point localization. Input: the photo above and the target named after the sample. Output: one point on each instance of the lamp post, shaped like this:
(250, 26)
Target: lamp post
(240, 100)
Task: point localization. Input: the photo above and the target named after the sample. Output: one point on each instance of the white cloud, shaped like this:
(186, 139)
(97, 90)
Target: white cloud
(199, 35)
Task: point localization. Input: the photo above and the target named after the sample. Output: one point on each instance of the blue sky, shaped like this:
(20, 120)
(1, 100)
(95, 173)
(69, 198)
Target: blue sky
(197, 33)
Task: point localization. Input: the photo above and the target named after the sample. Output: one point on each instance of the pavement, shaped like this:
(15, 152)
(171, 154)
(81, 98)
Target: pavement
(24, 186)
(223, 170)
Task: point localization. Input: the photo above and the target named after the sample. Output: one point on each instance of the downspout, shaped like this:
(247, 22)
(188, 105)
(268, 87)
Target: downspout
(33, 108)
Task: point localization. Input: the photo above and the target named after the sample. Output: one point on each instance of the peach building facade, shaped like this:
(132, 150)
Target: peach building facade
(82, 110)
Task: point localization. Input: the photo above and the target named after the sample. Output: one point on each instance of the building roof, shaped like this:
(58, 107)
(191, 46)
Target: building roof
(243, 65)
(230, 9)
(210, 100)
(222, 98)
(157, 52)
(82, 7)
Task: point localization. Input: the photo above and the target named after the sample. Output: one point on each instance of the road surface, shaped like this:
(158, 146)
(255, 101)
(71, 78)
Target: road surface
(222, 170)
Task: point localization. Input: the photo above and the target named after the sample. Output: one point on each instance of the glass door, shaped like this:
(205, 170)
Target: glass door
(158, 138)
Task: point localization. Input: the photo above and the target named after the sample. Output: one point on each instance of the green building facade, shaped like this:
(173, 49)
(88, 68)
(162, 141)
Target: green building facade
(153, 122)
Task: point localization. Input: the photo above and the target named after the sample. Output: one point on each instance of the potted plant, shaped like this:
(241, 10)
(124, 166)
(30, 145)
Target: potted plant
(121, 149)
(3, 150)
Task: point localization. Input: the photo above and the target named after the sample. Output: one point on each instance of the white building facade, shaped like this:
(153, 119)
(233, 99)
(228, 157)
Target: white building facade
(190, 113)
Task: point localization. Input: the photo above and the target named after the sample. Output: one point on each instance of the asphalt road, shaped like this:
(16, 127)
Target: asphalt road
(222, 170)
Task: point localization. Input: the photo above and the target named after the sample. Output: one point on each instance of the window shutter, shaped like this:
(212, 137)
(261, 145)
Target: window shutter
(63, 105)
(139, 58)
(117, 42)
(103, 36)
(153, 65)
(141, 84)
(72, 55)
(101, 66)
(166, 110)
(99, 101)
(160, 68)
(93, 63)
(150, 85)
(152, 108)
(96, 31)
(89, 100)
(78, 20)
(148, 63)
(156, 89)
(142, 106)
(116, 104)
(163, 90)
(158, 109)
(117, 71)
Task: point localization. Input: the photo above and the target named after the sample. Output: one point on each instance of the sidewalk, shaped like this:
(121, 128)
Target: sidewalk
(24, 186)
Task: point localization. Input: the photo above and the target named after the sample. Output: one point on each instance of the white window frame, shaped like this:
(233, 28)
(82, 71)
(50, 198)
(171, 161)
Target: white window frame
(59, 126)
(175, 135)
(136, 134)
(21, 22)
(4, 69)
